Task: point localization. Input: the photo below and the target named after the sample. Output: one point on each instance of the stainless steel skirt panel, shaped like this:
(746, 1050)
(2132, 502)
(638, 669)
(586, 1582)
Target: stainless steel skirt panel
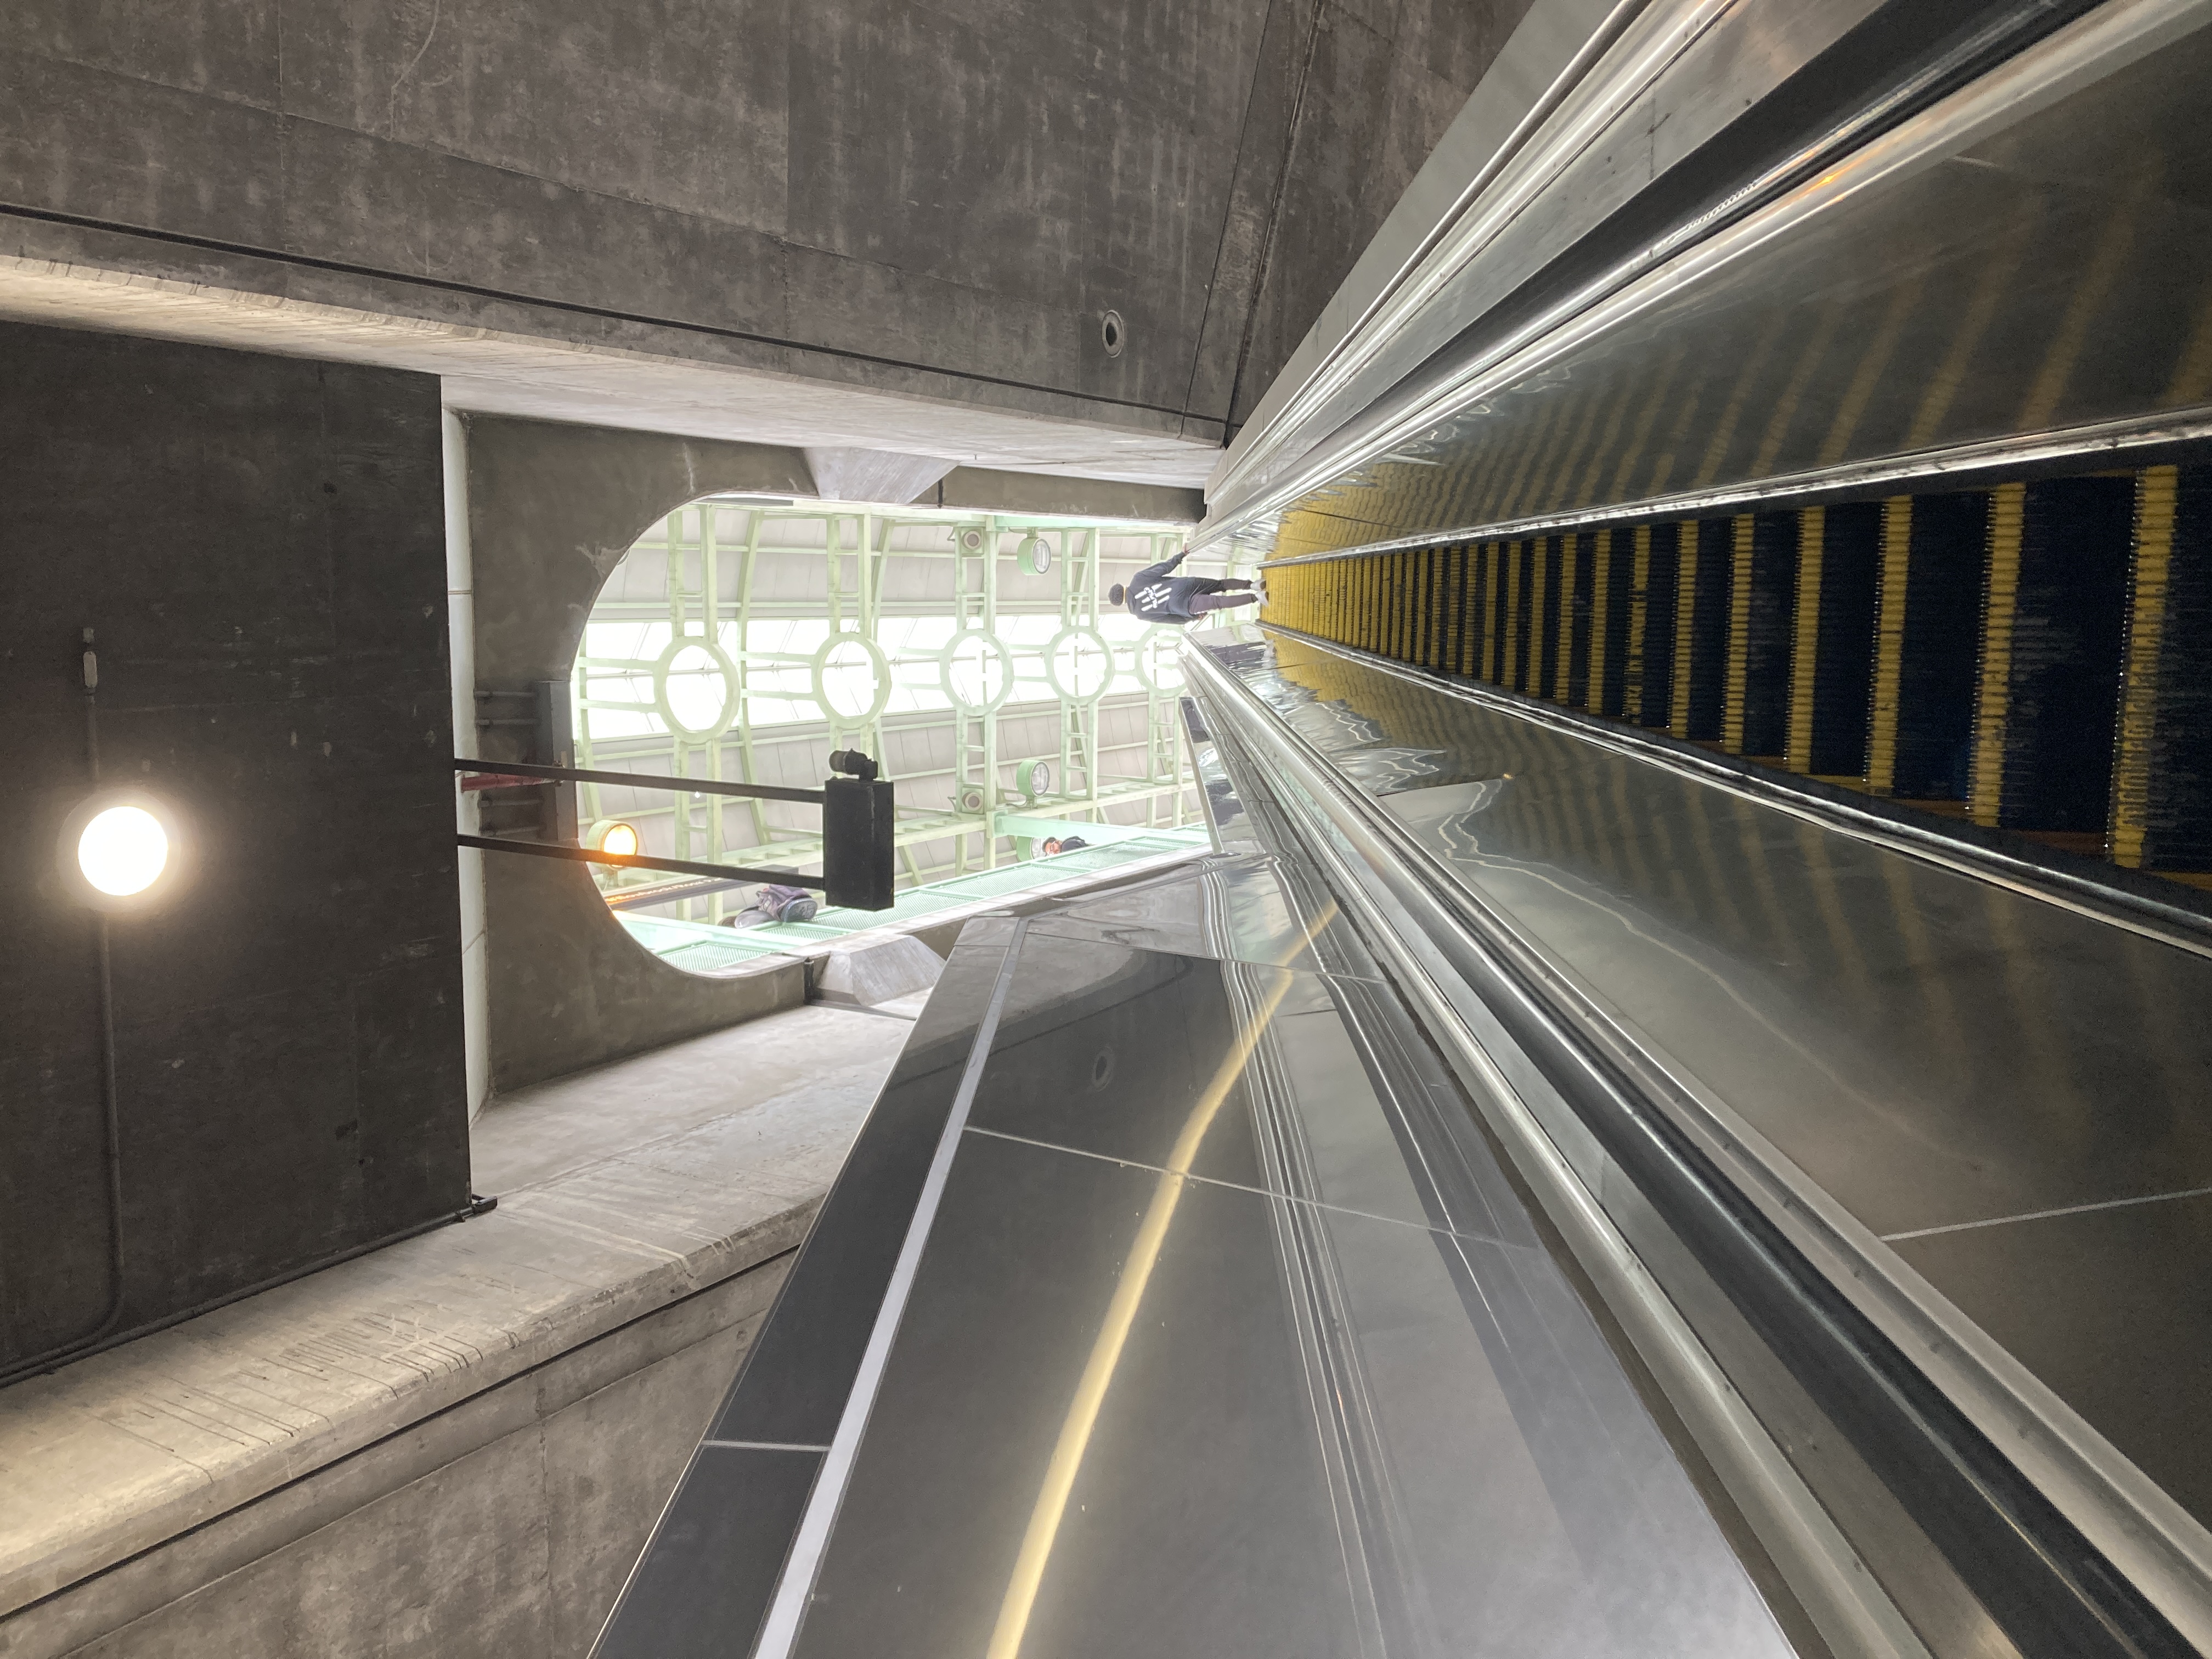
(1612, 868)
(1230, 1336)
(2022, 258)
(1304, 1398)
(1933, 1050)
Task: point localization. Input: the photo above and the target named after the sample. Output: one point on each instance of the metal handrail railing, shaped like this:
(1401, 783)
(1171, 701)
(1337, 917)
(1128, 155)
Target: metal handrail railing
(857, 871)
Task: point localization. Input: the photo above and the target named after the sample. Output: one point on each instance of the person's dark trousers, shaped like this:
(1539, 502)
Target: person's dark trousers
(1202, 603)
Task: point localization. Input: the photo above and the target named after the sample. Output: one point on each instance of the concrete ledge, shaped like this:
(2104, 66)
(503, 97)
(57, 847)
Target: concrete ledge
(624, 1192)
(174, 1598)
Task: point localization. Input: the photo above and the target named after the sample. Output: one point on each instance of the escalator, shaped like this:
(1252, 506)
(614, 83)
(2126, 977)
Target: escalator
(1672, 1121)
(1175, 1300)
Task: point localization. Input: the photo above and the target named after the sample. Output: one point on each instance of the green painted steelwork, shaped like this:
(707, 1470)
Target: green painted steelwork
(904, 607)
(705, 948)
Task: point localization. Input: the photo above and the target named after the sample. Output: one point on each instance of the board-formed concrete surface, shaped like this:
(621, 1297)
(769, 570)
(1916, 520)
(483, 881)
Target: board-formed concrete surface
(255, 542)
(851, 218)
(455, 1445)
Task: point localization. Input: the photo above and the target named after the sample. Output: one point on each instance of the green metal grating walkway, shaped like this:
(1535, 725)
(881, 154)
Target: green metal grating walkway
(700, 947)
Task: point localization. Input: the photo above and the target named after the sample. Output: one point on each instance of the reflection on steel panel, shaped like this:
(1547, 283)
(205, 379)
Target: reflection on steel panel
(2023, 257)
(1932, 1049)
(1952, 1060)
(1237, 909)
(1449, 1504)
(1230, 1337)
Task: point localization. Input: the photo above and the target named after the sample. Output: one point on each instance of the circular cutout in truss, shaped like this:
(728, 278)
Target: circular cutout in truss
(1079, 664)
(976, 670)
(1159, 658)
(1034, 554)
(695, 688)
(852, 679)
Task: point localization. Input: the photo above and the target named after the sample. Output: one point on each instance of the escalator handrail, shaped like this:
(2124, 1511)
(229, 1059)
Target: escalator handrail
(2046, 1497)
(1955, 846)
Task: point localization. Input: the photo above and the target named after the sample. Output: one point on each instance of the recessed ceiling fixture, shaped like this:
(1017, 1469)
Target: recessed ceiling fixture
(1113, 333)
(121, 849)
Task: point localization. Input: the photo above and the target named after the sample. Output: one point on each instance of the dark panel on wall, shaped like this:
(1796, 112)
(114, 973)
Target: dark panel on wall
(1652, 691)
(1949, 555)
(1843, 652)
(2069, 618)
(259, 543)
(1705, 596)
(1762, 594)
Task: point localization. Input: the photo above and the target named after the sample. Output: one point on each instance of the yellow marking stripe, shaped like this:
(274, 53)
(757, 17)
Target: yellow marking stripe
(1889, 645)
(1639, 614)
(2155, 496)
(1738, 689)
(1571, 557)
(1804, 637)
(1993, 705)
(1601, 618)
(1540, 619)
(1686, 593)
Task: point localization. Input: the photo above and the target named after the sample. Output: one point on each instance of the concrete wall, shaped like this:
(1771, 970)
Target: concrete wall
(552, 509)
(257, 542)
(1348, 99)
(989, 491)
(505, 1525)
(939, 199)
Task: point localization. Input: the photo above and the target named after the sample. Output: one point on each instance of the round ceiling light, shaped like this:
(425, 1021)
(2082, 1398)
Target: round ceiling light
(614, 836)
(123, 851)
(121, 848)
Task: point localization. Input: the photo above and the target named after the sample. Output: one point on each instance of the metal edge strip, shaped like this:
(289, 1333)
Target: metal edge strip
(1770, 179)
(2169, 924)
(2115, 437)
(1527, 161)
(2117, 33)
(795, 1589)
(1834, 1585)
(2161, 1549)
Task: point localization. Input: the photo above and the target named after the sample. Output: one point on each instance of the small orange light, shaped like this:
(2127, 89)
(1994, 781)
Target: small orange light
(621, 840)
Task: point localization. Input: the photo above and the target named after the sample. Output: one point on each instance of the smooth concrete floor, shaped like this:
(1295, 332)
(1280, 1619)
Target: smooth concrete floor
(817, 1059)
(622, 1190)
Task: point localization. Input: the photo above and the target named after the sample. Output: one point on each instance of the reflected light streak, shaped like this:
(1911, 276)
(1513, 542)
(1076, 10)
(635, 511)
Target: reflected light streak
(1121, 1317)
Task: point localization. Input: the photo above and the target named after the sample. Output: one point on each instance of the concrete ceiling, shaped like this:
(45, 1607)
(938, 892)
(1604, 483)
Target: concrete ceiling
(489, 371)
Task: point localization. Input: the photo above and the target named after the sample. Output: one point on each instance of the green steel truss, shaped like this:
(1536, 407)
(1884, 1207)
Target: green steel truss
(707, 681)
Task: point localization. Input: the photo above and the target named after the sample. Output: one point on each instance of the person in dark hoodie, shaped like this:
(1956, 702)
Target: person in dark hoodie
(1158, 595)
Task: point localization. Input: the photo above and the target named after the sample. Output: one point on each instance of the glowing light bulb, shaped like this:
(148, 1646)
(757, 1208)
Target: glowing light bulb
(621, 840)
(123, 851)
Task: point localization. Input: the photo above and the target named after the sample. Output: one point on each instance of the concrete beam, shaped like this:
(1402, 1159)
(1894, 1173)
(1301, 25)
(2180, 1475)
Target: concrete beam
(988, 491)
(873, 475)
(835, 224)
